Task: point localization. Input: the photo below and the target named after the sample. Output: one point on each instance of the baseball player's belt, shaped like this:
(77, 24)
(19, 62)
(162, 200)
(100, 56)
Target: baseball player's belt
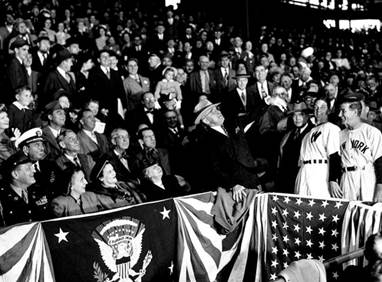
(352, 168)
(315, 162)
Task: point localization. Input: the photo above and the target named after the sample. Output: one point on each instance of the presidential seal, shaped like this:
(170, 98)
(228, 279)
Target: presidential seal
(120, 245)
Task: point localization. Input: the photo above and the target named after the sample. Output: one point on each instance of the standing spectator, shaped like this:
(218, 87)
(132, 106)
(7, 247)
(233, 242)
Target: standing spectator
(105, 85)
(19, 113)
(17, 73)
(60, 78)
(40, 55)
(135, 85)
(224, 75)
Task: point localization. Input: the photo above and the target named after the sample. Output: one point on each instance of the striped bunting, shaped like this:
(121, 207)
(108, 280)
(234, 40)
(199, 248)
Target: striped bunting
(24, 254)
(201, 250)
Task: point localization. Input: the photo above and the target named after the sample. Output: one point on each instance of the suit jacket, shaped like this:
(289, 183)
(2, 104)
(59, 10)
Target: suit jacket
(106, 90)
(86, 162)
(36, 63)
(134, 90)
(66, 205)
(33, 81)
(55, 81)
(257, 91)
(17, 74)
(158, 45)
(236, 113)
(290, 146)
(4, 33)
(221, 87)
(225, 160)
(123, 173)
(89, 147)
(139, 116)
(52, 147)
(194, 85)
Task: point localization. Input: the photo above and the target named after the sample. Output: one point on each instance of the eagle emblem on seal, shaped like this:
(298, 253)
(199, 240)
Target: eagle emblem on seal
(120, 245)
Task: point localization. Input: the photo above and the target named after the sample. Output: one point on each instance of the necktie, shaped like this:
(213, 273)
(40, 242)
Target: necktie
(243, 98)
(206, 82)
(297, 134)
(263, 93)
(94, 137)
(36, 168)
(67, 77)
(108, 73)
(225, 76)
(25, 196)
(77, 161)
(123, 159)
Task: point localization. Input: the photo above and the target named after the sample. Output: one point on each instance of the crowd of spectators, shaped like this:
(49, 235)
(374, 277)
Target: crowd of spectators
(110, 106)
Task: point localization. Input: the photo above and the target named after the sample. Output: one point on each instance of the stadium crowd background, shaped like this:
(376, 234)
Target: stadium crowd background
(130, 88)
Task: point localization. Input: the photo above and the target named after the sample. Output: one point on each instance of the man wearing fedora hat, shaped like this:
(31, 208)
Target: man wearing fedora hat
(18, 202)
(223, 156)
(60, 77)
(40, 54)
(241, 106)
(290, 148)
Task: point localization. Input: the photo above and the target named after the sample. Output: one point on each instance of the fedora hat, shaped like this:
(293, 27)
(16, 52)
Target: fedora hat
(299, 107)
(241, 74)
(202, 108)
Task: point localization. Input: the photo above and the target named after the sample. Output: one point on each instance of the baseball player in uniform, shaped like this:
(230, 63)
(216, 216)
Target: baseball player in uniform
(319, 157)
(361, 152)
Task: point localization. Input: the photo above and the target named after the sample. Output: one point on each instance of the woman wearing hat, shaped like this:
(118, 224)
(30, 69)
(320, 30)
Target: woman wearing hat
(6, 145)
(158, 186)
(75, 199)
(116, 193)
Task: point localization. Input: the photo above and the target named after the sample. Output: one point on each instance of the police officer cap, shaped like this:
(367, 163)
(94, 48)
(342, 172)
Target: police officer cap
(13, 162)
(30, 136)
(18, 43)
(352, 97)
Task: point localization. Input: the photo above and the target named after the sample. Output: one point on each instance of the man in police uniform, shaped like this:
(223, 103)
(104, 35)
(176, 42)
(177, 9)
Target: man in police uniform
(19, 203)
(32, 144)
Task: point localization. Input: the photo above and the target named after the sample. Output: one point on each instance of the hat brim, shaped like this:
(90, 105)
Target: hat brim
(242, 76)
(29, 141)
(204, 112)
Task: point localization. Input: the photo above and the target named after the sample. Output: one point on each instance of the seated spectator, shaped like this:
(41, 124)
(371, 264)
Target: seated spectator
(150, 154)
(158, 186)
(75, 200)
(117, 193)
(19, 113)
(70, 156)
(56, 117)
(92, 143)
(120, 158)
(18, 202)
(6, 145)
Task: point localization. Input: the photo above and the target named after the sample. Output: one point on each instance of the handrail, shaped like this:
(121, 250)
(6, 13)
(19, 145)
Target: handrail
(344, 258)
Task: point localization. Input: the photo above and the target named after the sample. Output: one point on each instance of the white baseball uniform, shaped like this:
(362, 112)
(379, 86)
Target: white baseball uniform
(360, 148)
(313, 176)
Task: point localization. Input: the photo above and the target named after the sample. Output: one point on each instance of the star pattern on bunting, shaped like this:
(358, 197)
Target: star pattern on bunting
(165, 213)
(61, 235)
(302, 228)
